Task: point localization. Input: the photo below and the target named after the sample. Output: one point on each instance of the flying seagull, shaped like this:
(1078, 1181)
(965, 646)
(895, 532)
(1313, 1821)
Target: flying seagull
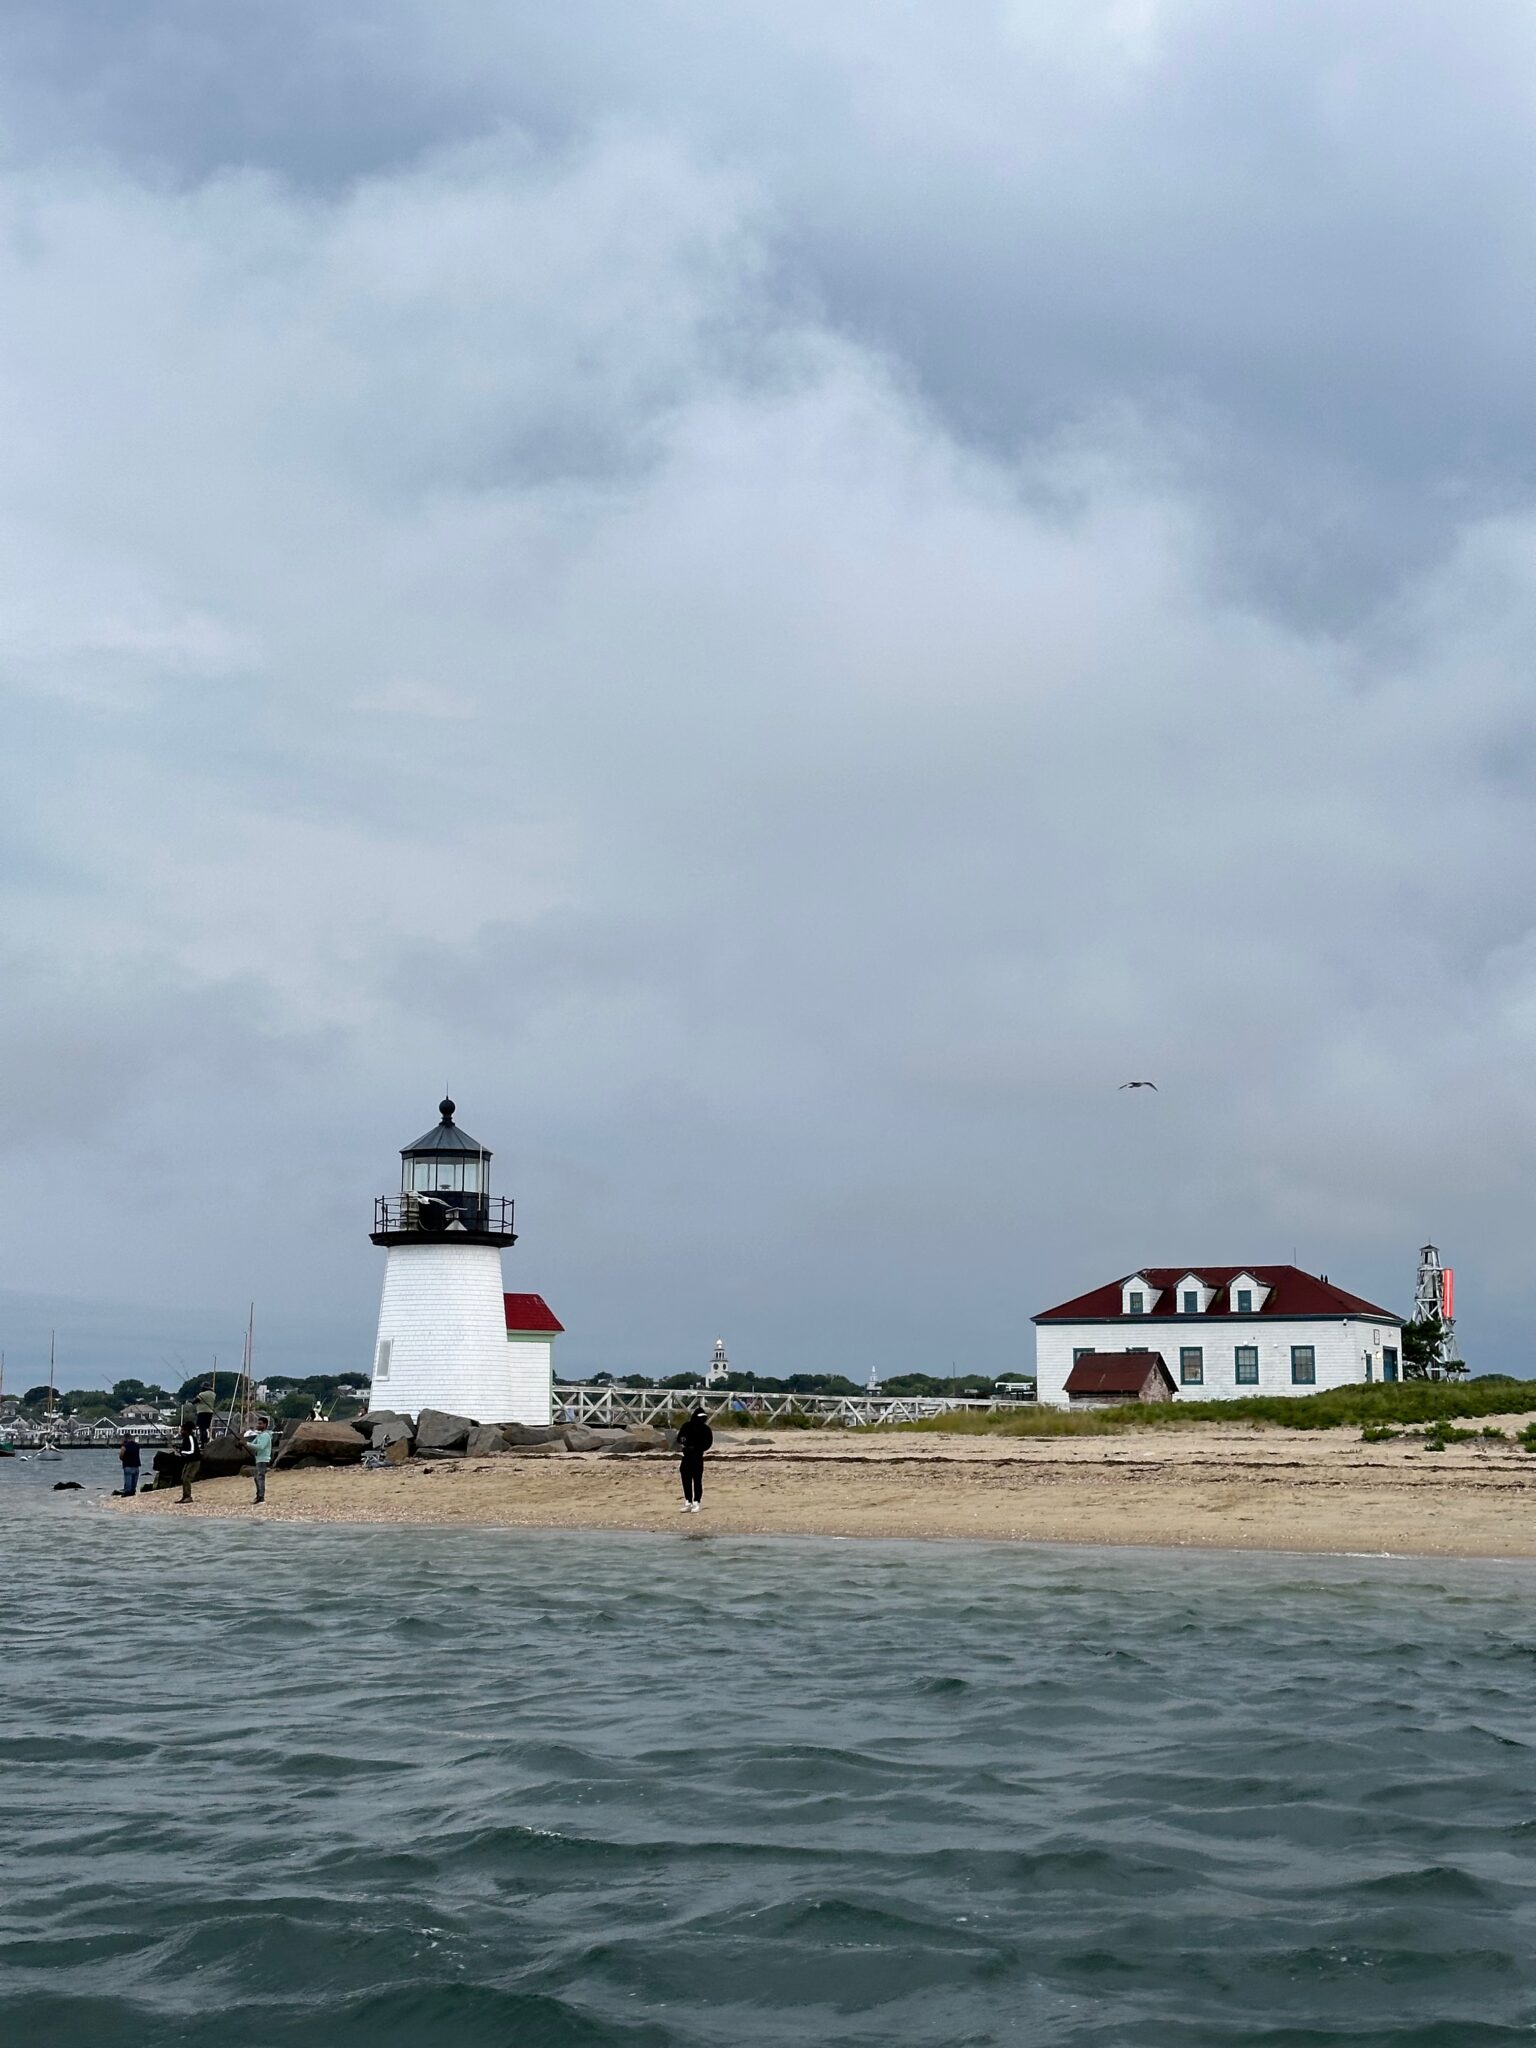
(1138, 1084)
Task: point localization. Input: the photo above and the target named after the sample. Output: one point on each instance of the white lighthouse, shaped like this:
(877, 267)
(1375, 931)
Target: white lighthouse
(442, 1339)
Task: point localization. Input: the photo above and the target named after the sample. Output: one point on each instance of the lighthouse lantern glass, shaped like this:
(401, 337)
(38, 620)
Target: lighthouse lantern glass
(462, 1173)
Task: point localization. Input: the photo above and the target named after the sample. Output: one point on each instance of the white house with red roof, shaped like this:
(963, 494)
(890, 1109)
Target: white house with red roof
(1222, 1332)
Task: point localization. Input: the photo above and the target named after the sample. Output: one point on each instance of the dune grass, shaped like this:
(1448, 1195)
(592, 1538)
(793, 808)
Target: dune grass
(1409, 1401)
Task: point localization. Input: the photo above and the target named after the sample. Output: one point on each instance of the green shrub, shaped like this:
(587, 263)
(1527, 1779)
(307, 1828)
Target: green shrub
(1379, 1433)
(1408, 1401)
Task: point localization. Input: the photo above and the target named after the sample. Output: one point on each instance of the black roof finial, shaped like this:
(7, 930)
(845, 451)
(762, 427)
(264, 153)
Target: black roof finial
(445, 1109)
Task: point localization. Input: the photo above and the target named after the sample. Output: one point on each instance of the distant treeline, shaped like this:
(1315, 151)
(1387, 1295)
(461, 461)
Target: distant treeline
(288, 1395)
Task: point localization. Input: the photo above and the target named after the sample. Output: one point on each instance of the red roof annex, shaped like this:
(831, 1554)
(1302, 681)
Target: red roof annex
(1117, 1372)
(1291, 1293)
(529, 1313)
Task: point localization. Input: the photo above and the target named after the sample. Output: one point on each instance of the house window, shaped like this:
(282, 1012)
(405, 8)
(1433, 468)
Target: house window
(381, 1363)
(1246, 1364)
(1192, 1366)
(1136, 1304)
(1303, 1366)
(1244, 1301)
(1136, 1350)
(1191, 1302)
(1081, 1351)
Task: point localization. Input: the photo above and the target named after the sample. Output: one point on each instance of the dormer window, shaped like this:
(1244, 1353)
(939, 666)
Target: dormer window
(1192, 1295)
(1248, 1294)
(1138, 1295)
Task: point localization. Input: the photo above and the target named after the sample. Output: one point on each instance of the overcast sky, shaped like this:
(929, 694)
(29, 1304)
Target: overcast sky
(782, 595)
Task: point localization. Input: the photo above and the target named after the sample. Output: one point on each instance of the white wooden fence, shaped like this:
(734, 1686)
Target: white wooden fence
(652, 1404)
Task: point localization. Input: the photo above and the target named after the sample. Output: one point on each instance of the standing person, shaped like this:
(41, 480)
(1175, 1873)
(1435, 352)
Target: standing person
(191, 1464)
(128, 1458)
(260, 1441)
(693, 1440)
(204, 1415)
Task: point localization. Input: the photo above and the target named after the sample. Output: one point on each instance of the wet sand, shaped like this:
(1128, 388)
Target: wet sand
(1206, 1486)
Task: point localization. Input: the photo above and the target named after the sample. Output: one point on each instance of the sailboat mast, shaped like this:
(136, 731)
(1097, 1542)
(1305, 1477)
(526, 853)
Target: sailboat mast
(248, 1412)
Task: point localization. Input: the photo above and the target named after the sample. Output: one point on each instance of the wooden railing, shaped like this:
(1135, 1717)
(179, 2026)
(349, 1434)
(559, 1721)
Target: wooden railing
(651, 1404)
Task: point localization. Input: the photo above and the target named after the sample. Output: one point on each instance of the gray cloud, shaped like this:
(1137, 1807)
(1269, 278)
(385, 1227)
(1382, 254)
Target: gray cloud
(780, 601)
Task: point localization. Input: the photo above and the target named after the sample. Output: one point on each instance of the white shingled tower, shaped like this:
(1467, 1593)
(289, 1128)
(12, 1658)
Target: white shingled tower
(442, 1340)
(718, 1366)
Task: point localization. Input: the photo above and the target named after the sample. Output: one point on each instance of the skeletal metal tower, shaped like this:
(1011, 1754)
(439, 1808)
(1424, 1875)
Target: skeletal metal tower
(1434, 1297)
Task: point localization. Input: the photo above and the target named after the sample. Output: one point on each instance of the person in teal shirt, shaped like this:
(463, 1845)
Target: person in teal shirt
(260, 1441)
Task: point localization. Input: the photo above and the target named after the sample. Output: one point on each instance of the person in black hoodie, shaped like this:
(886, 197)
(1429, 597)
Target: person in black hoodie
(693, 1440)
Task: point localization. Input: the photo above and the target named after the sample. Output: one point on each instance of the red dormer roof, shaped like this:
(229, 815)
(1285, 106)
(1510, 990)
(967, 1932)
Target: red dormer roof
(529, 1313)
(1291, 1293)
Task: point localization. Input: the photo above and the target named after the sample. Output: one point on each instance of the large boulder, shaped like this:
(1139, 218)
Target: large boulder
(577, 1437)
(550, 1450)
(639, 1437)
(322, 1443)
(485, 1442)
(438, 1431)
(398, 1452)
(223, 1456)
(384, 1426)
(519, 1433)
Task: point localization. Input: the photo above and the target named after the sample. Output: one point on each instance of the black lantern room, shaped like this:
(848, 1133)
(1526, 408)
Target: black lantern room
(445, 1191)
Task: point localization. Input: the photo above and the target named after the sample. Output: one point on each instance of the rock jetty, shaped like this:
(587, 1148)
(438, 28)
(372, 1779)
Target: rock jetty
(433, 1434)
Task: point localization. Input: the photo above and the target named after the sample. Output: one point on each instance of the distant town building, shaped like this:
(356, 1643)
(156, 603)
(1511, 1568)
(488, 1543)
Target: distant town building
(719, 1365)
(1220, 1333)
(444, 1339)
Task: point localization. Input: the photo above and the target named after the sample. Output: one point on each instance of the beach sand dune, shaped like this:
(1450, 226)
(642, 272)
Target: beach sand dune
(1208, 1486)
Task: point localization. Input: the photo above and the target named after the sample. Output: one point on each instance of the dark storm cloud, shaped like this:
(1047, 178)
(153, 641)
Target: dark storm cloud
(1289, 236)
(781, 597)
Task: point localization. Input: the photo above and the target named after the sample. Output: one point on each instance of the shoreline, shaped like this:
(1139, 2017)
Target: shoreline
(1208, 1487)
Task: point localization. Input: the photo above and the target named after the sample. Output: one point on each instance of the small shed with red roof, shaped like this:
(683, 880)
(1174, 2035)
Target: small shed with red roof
(532, 1328)
(1107, 1377)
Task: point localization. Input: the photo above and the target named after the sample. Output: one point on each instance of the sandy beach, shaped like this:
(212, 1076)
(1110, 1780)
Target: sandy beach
(1207, 1487)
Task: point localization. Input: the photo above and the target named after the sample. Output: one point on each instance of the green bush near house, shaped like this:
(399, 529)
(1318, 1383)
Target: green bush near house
(1409, 1401)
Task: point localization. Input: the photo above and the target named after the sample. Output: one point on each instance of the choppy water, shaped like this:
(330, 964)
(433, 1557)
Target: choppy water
(297, 1786)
